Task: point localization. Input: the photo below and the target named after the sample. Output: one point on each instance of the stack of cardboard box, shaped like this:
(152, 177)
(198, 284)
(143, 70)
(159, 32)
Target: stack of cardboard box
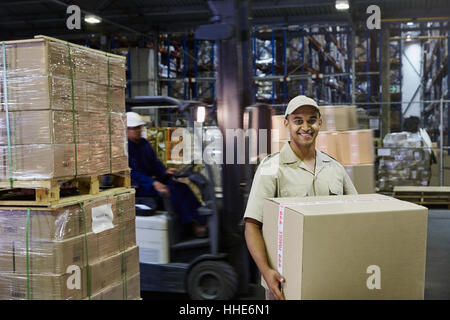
(63, 116)
(340, 138)
(403, 161)
(66, 111)
(73, 250)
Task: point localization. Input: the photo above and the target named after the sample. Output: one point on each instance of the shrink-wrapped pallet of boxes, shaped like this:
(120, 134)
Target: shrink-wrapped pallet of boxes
(67, 214)
(403, 161)
(73, 250)
(62, 110)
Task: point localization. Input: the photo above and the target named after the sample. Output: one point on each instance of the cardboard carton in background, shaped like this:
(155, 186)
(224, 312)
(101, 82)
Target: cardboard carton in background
(363, 177)
(103, 274)
(278, 124)
(118, 292)
(327, 141)
(328, 247)
(356, 147)
(338, 118)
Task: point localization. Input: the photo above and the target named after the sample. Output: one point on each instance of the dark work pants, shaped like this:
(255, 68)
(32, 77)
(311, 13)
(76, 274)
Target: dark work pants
(184, 202)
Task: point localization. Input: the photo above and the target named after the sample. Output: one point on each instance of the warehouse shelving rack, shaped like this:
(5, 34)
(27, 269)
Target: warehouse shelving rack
(300, 60)
(335, 64)
(192, 67)
(435, 80)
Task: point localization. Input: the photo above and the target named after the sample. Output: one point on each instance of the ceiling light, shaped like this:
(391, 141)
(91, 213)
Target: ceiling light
(410, 24)
(92, 19)
(342, 5)
(408, 37)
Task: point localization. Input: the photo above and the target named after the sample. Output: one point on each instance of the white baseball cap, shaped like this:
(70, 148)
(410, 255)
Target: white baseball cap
(134, 120)
(300, 101)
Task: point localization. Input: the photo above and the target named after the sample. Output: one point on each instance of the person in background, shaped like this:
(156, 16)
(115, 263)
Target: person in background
(152, 178)
(298, 170)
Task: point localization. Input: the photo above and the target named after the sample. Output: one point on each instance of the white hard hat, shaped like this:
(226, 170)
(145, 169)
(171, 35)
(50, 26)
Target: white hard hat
(300, 101)
(134, 120)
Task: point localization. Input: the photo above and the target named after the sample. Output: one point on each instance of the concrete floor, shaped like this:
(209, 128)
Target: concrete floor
(437, 276)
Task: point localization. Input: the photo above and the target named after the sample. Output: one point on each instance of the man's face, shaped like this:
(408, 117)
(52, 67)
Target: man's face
(134, 133)
(304, 125)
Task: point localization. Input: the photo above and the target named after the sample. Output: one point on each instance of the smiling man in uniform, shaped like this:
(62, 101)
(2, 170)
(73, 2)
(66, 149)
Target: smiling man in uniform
(298, 170)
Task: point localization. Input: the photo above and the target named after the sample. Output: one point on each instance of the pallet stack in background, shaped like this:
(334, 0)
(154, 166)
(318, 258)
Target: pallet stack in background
(340, 138)
(65, 107)
(63, 235)
(404, 161)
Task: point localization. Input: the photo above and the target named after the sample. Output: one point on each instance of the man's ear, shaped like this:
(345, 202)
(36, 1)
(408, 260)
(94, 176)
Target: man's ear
(320, 121)
(286, 122)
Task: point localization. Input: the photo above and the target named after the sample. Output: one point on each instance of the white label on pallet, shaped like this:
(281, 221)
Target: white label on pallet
(102, 217)
(384, 152)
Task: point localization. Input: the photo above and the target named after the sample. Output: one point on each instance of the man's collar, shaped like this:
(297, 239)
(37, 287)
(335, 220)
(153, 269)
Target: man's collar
(287, 155)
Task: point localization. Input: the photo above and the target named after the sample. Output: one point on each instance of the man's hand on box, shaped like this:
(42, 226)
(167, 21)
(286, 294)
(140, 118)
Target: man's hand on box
(274, 281)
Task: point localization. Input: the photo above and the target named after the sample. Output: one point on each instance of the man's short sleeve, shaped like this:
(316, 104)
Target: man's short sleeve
(349, 188)
(263, 186)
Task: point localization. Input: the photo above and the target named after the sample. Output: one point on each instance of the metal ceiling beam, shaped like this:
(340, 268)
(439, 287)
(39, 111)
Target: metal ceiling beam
(290, 4)
(310, 19)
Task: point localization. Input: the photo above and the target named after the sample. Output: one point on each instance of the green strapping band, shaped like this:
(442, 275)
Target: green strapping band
(122, 246)
(28, 252)
(74, 124)
(108, 98)
(88, 276)
(5, 87)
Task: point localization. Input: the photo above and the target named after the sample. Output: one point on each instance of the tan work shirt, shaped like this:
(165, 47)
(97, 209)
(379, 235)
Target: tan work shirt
(283, 174)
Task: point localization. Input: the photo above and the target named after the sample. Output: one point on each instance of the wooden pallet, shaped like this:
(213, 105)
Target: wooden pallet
(426, 196)
(49, 192)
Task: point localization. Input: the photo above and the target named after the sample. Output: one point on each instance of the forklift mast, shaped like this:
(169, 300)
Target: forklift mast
(231, 31)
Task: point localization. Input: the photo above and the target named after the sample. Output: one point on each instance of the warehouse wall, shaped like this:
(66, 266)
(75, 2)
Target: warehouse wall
(411, 79)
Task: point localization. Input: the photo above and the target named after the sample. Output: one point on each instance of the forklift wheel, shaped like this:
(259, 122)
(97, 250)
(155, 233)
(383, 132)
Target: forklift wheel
(212, 280)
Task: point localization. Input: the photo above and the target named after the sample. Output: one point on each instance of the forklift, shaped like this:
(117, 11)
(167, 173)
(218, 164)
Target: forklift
(183, 264)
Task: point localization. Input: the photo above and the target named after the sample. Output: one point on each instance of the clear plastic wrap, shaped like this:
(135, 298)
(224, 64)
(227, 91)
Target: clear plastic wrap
(66, 111)
(40, 248)
(408, 163)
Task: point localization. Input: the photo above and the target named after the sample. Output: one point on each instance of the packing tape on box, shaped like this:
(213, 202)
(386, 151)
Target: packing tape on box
(88, 275)
(122, 245)
(281, 215)
(27, 240)
(108, 97)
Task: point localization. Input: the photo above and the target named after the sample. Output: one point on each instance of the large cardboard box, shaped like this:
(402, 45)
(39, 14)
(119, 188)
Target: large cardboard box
(356, 147)
(347, 247)
(363, 177)
(339, 118)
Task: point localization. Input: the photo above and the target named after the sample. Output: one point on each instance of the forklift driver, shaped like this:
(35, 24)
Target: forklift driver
(152, 178)
(298, 170)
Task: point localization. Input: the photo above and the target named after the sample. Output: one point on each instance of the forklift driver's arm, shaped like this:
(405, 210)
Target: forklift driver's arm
(257, 248)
